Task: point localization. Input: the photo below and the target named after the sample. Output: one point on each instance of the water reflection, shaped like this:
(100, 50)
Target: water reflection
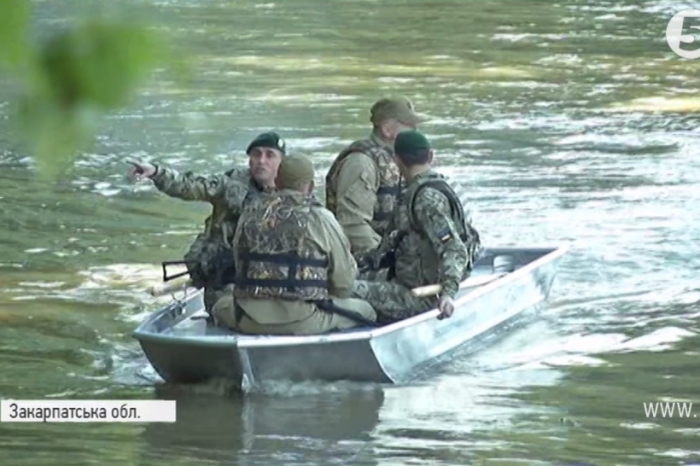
(318, 427)
(592, 406)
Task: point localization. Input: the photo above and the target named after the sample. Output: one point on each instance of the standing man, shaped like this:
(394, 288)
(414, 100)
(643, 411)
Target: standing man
(208, 259)
(433, 243)
(294, 271)
(363, 183)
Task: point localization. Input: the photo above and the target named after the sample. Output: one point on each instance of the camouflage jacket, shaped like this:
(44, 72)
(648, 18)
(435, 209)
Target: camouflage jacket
(433, 243)
(276, 256)
(210, 252)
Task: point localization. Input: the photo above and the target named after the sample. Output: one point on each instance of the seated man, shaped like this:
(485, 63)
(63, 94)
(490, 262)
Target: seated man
(433, 244)
(209, 257)
(294, 270)
(363, 182)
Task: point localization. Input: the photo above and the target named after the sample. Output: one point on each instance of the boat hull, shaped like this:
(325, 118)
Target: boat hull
(186, 350)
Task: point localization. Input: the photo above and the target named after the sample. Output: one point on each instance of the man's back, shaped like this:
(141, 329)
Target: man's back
(429, 242)
(288, 240)
(361, 190)
(363, 182)
(431, 249)
(293, 263)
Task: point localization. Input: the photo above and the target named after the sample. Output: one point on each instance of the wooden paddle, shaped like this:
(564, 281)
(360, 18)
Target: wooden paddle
(422, 291)
(178, 284)
(473, 282)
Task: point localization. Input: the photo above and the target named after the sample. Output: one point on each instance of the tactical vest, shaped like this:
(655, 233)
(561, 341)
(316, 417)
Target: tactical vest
(467, 233)
(254, 190)
(389, 182)
(209, 259)
(275, 257)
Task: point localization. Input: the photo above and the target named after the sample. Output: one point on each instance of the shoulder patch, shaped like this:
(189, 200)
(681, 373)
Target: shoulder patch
(444, 235)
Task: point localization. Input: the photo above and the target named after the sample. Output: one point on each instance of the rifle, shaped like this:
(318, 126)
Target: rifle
(387, 260)
(219, 273)
(177, 285)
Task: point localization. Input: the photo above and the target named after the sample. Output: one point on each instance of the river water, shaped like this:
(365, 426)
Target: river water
(566, 121)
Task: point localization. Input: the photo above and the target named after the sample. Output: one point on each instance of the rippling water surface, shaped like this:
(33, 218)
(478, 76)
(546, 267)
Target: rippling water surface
(565, 121)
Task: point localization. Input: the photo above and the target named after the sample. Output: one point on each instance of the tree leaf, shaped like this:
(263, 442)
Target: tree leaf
(75, 77)
(14, 22)
(99, 63)
(54, 133)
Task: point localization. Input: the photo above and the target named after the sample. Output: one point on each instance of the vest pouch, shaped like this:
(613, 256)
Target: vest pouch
(210, 262)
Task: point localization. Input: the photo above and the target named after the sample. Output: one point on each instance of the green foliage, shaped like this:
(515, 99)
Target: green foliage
(73, 78)
(14, 18)
(54, 132)
(97, 63)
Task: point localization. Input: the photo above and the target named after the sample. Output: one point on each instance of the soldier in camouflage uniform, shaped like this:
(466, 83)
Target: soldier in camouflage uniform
(208, 259)
(294, 270)
(363, 183)
(433, 243)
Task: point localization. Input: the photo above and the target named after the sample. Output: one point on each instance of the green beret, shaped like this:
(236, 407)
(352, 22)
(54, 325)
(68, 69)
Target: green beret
(294, 172)
(270, 139)
(410, 142)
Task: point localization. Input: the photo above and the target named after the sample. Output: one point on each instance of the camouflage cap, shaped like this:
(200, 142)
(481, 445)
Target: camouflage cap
(294, 172)
(410, 142)
(397, 108)
(269, 139)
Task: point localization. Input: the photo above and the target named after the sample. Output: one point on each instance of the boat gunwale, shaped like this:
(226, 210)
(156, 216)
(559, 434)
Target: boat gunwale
(251, 341)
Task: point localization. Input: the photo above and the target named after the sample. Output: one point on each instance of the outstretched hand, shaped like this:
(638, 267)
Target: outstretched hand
(446, 307)
(140, 171)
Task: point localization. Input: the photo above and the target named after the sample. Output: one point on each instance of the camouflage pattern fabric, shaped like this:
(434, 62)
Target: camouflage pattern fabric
(378, 263)
(206, 260)
(391, 300)
(389, 181)
(468, 234)
(210, 252)
(291, 316)
(356, 186)
(274, 253)
(428, 250)
(373, 274)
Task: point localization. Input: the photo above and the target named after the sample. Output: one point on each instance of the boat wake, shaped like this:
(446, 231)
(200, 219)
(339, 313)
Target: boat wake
(221, 387)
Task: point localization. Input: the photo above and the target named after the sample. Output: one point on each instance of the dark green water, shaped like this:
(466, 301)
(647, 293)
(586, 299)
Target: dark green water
(566, 121)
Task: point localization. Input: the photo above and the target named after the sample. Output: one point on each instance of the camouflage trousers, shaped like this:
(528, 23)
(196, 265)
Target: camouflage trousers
(391, 300)
(373, 275)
